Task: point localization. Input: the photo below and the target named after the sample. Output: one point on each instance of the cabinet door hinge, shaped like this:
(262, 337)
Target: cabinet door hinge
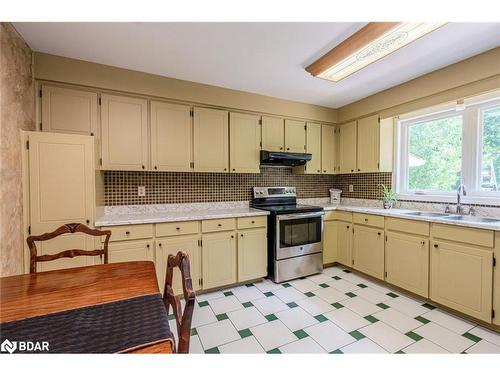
(385, 273)
(99, 101)
(200, 242)
(27, 145)
(29, 229)
(41, 126)
(492, 314)
(353, 262)
(386, 238)
(494, 261)
(305, 127)
(378, 165)
(260, 121)
(192, 164)
(201, 281)
(191, 113)
(40, 93)
(260, 143)
(100, 161)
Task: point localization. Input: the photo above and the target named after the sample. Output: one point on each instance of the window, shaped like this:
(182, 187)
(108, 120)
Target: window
(439, 151)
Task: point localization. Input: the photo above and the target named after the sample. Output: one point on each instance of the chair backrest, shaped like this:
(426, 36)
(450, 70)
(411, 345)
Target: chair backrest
(182, 318)
(67, 228)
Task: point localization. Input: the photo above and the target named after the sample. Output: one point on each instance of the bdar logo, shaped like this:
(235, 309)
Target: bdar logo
(8, 346)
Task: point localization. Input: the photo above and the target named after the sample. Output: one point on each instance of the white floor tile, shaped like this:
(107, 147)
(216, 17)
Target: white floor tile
(203, 315)
(457, 325)
(407, 306)
(346, 319)
(209, 296)
(248, 345)
(361, 306)
(343, 285)
(224, 305)
(320, 278)
(267, 285)
(304, 285)
(315, 305)
(329, 336)
(372, 295)
(487, 335)
(289, 294)
(424, 347)
(378, 287)
(246, 318)
(270, 305)
(247, 293)
(363, 346)
(304, 346)
(396, 319)
(386, 336)
(216, 334)
(443, 337)
(195, 345)
(296, 318)
(333, 271)
(484, 347)
(330, 294)
(273, 334)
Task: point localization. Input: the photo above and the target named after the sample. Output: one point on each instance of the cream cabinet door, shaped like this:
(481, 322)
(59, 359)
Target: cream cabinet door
(407, 262)
(328, 149)
(211, 140)
(244, 143)
(344, 243)
(171, 137)
(273, 134)
(368, 250)
(368, 144)
(124, 127)
(496, 280)
(295, 136)
(313, 147)
(218, 259)
(129, 251)
(172, 245)
(330, 238)
(68, 111)
(61, 191)
(347, 153)
(462, 278)
(252, 254)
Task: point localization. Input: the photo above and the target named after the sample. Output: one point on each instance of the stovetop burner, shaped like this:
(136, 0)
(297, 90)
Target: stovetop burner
(279, 200)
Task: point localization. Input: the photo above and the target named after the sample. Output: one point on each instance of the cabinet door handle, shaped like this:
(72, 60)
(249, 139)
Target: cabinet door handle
(359, 170)
(288, 148)
(159, 244)
(423, 243)
(436, 245)
(319, 170)
(127, 233)
(178, 228)
(379, 233)
(324, 171)
(143, 167)
(241, 234)
(225, 169)
(348, 227)
(232, 236)
(219, 225)
(147, 246)
(87, 221)
(253, 221)
(281, 148)
(156, 167)
(234, 169)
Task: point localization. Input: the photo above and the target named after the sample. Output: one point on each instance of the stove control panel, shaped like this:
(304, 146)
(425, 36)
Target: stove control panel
(267, 192)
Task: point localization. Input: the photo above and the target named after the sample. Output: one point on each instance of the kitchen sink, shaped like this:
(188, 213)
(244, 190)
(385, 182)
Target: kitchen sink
(426, 214)
(474, 219)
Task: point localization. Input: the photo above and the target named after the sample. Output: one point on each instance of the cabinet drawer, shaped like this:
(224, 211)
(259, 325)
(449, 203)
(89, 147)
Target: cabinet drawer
(129, 232)
(471, 236)
(371, 220)
(218, 225)
(408, 226)
(338, 215)
(252, 222)
(177, 228)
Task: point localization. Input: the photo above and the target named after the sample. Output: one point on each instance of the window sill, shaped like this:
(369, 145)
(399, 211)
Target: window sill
(452, 199)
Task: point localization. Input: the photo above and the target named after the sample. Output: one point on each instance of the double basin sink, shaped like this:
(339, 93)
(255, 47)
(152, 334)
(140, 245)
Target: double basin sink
(451, 217)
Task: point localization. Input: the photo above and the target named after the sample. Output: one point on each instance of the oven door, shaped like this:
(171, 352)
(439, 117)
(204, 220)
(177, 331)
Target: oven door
(298, 234)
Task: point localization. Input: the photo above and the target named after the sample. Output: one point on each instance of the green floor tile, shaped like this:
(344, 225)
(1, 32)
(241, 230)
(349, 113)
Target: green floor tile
(421, 319)
(222, 317)
(321, 318)
(300, 334)
(212, 351)
(414, 336)
(227, 294)
(429, 306)
(337, 278)
(324, 285)
(286, 285)
(194, 332)
(245, 333)
(357, 335)
(362, 286)
(249, 285)
(271, 317)
(382, 305)
(203, 303)
(337, 305)
(268, 294)
(310, 294)
(247, 304)
(350, 294)
(371, 319)
(274, 351)
(292, 304)
(337, 351)
(472, 337)
(391, 294)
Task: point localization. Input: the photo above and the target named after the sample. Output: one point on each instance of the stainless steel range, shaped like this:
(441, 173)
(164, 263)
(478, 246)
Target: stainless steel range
(295, 233)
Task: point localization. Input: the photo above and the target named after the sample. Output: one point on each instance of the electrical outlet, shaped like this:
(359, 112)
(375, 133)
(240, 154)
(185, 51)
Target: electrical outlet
(141, 191)
(351, 188)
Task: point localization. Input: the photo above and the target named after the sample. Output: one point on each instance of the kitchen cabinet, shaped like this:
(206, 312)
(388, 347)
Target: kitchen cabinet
(347, 152)
(252, 254)
(244, 143)
(462, 277)
(171, 137)
(129, 251)
(65, 110)
(124, 127)
(374, 144)
(344, 243)
(219, 259)
(328, 149)
(165, 246)
(368, 250)
(330, 238)
(313, 147)
(211, 140)
(273, 133)
(295, 136)
(496, 281)
(407, 262)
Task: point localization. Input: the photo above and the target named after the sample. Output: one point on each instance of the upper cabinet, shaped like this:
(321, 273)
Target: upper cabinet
(295, 136)
(347, 142)
(244, 143)
(273, 133)
(211, 141)
(124, 128)
(313, 147)
(171, 137)
(328, 149)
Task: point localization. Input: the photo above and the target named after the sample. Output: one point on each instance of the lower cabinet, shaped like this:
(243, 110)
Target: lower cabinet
(344, 243)
(172, 245)
(219, 259)
(252, 254)
(407, 262)
(462, 278)
(129, 251)
(330, 237)
(368, 250)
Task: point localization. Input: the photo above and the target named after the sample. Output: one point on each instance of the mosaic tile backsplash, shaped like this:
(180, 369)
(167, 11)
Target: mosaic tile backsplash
(120, 187)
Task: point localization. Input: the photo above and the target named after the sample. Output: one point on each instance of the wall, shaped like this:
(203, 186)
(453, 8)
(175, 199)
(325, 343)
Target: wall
(17, 112)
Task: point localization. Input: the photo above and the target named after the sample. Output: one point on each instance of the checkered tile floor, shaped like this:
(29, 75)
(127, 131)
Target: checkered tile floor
(333, 312)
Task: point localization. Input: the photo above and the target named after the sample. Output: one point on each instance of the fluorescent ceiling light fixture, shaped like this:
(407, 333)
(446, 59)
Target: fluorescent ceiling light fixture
(371, 43)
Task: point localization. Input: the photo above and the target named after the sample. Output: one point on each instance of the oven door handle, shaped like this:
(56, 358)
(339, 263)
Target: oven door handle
(299, 216)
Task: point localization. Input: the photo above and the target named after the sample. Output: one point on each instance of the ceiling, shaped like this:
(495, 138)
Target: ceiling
(263, 58)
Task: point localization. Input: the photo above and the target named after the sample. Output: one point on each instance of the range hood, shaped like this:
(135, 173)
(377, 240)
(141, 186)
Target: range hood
(290, 159)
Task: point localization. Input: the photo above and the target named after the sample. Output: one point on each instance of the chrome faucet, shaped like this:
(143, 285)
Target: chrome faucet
(460, 191)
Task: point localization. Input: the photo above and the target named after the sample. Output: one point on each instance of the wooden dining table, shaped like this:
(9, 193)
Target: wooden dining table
(39, 294)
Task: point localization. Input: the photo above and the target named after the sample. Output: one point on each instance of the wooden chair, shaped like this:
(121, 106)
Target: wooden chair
(182, 319)
(67, 228)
